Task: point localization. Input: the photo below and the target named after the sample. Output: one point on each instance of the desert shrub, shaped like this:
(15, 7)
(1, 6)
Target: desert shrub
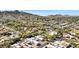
(8, 43)
(77, 33)
(5, 44)
(28, 34)
(15, 40)
(49, 37)
(77, 46)
(73, 43)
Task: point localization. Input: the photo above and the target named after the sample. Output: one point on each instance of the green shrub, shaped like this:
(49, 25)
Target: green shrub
(8, 43)
(28, 34)
(50, 37)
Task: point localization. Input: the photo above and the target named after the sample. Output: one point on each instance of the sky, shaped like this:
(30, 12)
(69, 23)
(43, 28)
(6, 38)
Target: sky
(39, 4)
(53, 12)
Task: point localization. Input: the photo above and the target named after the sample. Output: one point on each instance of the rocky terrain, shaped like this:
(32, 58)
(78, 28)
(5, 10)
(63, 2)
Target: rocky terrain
(24, 30)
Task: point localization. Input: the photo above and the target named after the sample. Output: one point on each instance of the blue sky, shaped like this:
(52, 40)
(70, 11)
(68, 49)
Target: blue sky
(53, 12)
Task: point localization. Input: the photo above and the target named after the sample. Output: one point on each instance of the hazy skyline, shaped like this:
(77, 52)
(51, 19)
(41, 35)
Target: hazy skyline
(53, 12)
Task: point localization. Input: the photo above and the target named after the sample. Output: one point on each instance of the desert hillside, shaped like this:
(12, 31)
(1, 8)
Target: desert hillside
(19, 29)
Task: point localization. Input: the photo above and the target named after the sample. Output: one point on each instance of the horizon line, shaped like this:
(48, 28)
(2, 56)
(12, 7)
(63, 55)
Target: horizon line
(50, 12)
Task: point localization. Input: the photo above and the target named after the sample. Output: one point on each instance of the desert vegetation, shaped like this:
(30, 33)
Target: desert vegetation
(24, 30)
